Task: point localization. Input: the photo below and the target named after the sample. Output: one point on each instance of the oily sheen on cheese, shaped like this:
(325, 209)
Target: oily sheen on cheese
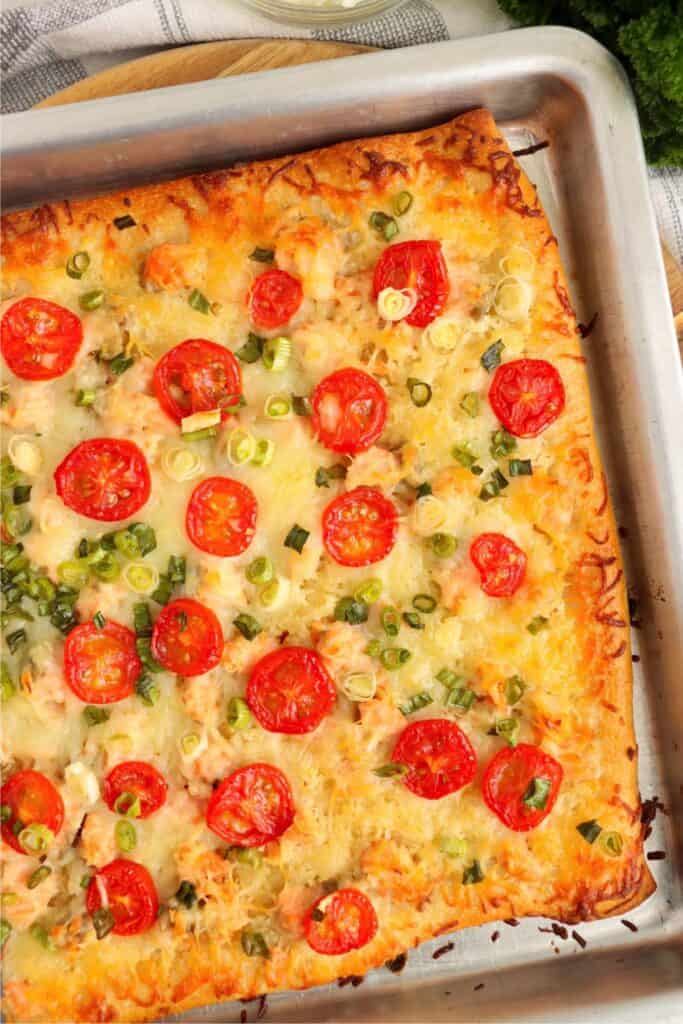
(412, 857)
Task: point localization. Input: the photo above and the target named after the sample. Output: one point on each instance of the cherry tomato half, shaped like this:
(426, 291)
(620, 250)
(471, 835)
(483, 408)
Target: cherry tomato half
(39, 339)
(101, 665)
(501, 564)
(139, 779)
(131, 896)
(439, 757)
(290, 690)
(187, 638)
(197, 376)
(252, 806)
(340, 922)
(105, 479)
(274, 298)
(32, 800)
(221, 516)
(521, 785)
(527, 395)
(349, 411)
(359, 527)
(421, 267)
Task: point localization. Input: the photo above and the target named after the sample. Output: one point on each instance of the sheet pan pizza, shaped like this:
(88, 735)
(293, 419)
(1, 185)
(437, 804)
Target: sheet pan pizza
(316, 640)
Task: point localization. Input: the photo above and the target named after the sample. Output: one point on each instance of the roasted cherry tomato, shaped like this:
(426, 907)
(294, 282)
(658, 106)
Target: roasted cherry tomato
(527, 395)
(187, 638)
(521, 784)
(439, 757)
(421, 267)
(349, 411)
(360, 527)
(501, 564)
(101, 665)
(221, 516)
(131, 780)
(251, 806)
(340, 922)
(290, 690)
(32, 800)
(104, 478)
(197, 376)
(131, 896)
(274, 298)
(39, 339)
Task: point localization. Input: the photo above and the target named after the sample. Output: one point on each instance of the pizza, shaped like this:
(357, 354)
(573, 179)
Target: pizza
(316, 632)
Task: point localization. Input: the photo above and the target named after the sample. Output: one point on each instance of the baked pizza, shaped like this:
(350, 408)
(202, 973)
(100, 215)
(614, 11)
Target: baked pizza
(315, 619)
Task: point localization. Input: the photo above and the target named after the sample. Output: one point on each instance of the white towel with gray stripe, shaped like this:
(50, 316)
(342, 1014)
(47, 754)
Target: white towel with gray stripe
(47, 46)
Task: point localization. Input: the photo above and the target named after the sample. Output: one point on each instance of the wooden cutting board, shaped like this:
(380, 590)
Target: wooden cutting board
(235, 57)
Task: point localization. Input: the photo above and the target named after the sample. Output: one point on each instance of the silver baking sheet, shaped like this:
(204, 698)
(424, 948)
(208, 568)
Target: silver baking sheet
(541, 84)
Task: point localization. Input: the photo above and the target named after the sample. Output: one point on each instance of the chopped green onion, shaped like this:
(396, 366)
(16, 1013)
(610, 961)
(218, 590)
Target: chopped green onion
(301, 404)
(251, 351)
(141, 578)
(125, 835)
(538, 623)
(420, 392)
(393, 657)
(460, 698)
(470, 404)
(142, 620)
(176, 569)
(85, 881)
(463, 454)
(245, 855)
(269, 594)
(369, 592)
(241, 447)
(4, 394)
(520, 467)
(205, 434)
(5, 812)
(189, 743)
(128, 804)
(473, 874)
(348, 609)
(40, 934)
(413, 620)
(490, 359)
(537, 793)
(296, 538)
(276, 354)
(35, 838)
(254, 944)
(277, 407)
(91, 300)
(449, 678)
(507, 729)
(147, 691)
(247, 625)
(374, 648)
(5, 931)
(514, 689)
(502, 443)
(359, 686)
(611, 843)
(443, 544)
(199, 302)
(590, 830)
(143, 646)
(120, 363)
(38, 876)
(99, 620)
(77, 264)
(15, 640)
(423, 490)
(326, 473)
(494, 486)
(124, 221)
(424, 603)
(95, 715)
(262, 255)
(186, 894)
(106, 566)
(452, 846)
(21, 494)
(390, 770)
(239, 715)
(162, 595)
(263, 454)
(391, 622)
(261, 570)
(383, 224)
(402, 203)
(416, 703)
(85, 397)
(103, 922)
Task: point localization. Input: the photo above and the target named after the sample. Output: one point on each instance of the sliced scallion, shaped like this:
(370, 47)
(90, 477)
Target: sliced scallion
(262, 255)
(124, 221)
(103, 922)
(296, 538)
(251, 351)
(369, 592)
(99, 620)
(301, 404)
(263, 453)
(77, 264)
(38, 876)
(247, 625)
(494, 486)
(452, 846)
(326, 473)
(254, 944)
(95, 715)
(537, 793)
(199, 302)
(35, 838)
(186, 894)
(590, 830)
(241, 447)
(277, 407)
(147, 691)
(508, 729)
(348, 609)
(490, 358)
(611, 843)
(126, 836)
(420, 392)
(383, 224)
(85, 396)
(416, 703)
(276, 354)
(261, 570)
(443, 544)
(520, 467)
(394, 657)
(359, 686)
(538, 623)
(464, 454)
(514, 689)
(460, 699)
(470, 404)
(502, 443)
(5, 931)
(91, 300)
(239, 715)
(423, 490)
(424, 603)
(390, 770)
(473, 874)
(205, 434)
(391, 621)
(413, 620)
(402, 202)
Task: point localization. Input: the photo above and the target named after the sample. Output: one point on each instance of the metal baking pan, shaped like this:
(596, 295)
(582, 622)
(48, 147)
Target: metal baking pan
(541, 84)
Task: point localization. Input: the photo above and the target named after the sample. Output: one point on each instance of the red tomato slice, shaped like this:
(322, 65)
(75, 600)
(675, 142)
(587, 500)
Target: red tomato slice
(349, 411)
(104, 478)
(439, 757)
(360, 527)
(507, 781)
(197, 376)
(33, 800)
(527, 395)
(39, 339)
(290, 690)
(187, 638)
(131, 896)
(221, 516)
(338, 923)
(274, 298)
(251, 806)
(141, 780)
(501, 564)
(421, 267)
(101, 665)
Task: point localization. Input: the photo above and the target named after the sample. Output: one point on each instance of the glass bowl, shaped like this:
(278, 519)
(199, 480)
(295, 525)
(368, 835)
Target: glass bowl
(323, 12)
